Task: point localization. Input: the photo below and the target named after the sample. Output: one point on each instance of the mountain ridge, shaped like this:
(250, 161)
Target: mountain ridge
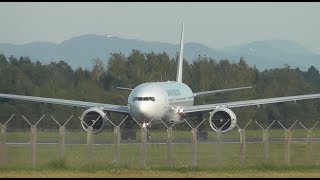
(78, 51)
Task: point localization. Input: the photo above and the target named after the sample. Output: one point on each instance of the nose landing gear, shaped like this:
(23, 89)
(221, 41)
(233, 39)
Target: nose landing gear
(144, 124)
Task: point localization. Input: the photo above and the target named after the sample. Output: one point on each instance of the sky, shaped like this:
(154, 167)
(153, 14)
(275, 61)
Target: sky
(214, 24)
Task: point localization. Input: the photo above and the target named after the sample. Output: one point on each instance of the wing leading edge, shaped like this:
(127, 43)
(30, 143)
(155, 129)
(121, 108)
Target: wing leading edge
(219, 91)
(106, 107)
(209, 107)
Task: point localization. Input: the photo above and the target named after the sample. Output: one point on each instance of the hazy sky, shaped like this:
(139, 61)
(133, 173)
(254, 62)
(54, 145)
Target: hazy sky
(215, 24)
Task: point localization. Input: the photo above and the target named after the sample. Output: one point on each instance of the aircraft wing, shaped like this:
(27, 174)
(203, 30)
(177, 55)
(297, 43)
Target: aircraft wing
(210, 107)
(106, 107)
(219, 91)
(123, 88)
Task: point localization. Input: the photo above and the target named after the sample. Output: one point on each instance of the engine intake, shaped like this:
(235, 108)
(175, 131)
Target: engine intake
(221, 116)
(90, 116)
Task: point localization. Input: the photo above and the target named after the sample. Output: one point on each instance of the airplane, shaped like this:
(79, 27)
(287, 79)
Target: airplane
(110, 35)
(170, 102)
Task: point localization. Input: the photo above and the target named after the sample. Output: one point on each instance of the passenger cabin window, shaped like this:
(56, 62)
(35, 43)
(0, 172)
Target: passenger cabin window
(144, 99)
(173, 92)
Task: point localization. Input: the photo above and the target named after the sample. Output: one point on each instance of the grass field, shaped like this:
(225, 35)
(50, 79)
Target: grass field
(157, 174)
(156, 156)
(76, 164)
(263, 170)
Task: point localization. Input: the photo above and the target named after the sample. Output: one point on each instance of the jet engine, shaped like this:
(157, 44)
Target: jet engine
(223, 119)
(94, 115)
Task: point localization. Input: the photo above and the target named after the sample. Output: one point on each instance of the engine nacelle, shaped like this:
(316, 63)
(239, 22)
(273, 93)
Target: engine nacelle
(90, 116)
(221, 116)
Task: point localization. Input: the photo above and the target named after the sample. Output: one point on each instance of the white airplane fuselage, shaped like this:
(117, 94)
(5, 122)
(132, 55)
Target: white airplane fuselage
(156, 101)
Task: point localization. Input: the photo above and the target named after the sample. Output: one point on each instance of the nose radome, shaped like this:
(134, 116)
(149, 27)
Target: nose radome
(140, 108)
(145, 110)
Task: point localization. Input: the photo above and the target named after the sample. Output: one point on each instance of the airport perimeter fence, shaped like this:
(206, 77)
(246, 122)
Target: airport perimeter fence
(44, 140)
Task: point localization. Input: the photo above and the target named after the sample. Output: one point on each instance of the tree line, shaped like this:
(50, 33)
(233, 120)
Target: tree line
(24, 76)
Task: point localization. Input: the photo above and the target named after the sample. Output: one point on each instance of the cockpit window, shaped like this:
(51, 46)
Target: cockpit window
(144, 99)
(137, 99)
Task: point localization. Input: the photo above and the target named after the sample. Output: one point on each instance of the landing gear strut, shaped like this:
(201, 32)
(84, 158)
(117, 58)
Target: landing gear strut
(128, 133)
(145, 125)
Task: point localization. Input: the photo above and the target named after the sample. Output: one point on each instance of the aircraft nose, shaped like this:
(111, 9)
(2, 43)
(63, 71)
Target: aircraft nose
(144, 110)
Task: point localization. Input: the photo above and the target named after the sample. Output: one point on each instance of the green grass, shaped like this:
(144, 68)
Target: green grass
(57, 165)
(130, 156)
(47, 157)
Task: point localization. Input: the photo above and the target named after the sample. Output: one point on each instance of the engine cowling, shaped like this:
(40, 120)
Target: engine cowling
(221, 116)
(90, 116)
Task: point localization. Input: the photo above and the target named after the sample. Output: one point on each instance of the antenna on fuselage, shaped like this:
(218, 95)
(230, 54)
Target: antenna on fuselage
(180, 61)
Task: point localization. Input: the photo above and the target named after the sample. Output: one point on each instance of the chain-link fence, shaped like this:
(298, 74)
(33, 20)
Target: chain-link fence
(42, 139)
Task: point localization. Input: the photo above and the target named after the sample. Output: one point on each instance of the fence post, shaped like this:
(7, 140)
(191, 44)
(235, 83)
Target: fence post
(33, 141)
(117, 137)
(89, 138)
(287, 142)
(219, 140)
(62, 134)
(309, 146)
(242, 145)
(309, 142)
(218, 147)
(169, 144)
(33, 138)
(116, 143)
(3, 148)
(194, 139)
(89, 143)
(61, 142)
(242, 142)
(3, 139)
(265, 141)
(287, 145)
(194, 146)
(144, 147)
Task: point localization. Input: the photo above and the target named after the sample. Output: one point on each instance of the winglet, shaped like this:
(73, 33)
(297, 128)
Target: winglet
(180, 61)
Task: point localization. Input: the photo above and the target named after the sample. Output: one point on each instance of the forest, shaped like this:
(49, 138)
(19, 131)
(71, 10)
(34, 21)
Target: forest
(23, 76)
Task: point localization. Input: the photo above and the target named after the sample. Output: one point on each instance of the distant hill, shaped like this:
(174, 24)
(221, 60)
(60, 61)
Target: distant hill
(78, 51)
(274, 53)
